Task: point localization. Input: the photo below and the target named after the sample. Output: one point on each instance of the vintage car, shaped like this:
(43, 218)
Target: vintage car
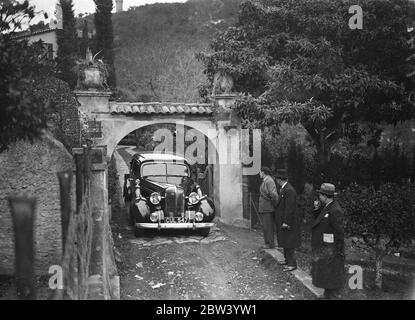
(160, 194)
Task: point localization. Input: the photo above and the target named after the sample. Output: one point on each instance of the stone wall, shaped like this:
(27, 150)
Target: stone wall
(32, 169)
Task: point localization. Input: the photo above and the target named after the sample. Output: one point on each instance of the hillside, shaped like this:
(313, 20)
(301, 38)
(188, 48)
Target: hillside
(156, 46)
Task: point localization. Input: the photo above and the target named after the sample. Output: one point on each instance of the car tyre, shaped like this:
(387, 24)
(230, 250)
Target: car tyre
(204, 232)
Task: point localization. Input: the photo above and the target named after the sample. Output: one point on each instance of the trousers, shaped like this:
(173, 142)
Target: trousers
(269, 227)
(289, 255)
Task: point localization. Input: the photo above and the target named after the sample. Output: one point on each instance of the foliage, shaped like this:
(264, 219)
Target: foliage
(67, 44)
(380, 214)
(155, 46)
(32, 97)
(113, 183)
(384, 218)
(13, 15)
(370, 167)
(413, 165)
(276, 141)
(23, 115)
(105, 36)
(127, 95)
(84, 42)
(193, 19)
(63, 116)
(400, 134)
(299, 62)
(305, 204)
(395, 164)
(296, 166)
(167, 69)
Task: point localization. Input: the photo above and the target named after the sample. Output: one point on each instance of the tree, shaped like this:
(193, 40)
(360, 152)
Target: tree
(105, 36)
(23, 115)
(384, 219)
(376, 169)
(299, 62)
(296, 166)
(84, 43)
(13, 15)
(67, 45)
(413, 165)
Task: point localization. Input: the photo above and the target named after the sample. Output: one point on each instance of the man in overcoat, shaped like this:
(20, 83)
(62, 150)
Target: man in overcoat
(327, 243)
(287, 221)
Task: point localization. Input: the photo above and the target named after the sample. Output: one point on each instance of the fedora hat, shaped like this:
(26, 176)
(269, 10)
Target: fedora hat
(328, 189)
(282, 174)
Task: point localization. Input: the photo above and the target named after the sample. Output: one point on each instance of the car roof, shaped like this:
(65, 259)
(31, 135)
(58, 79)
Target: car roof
(159, 157)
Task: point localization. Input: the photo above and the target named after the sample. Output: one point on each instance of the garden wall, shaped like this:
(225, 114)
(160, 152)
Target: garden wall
(32, 169)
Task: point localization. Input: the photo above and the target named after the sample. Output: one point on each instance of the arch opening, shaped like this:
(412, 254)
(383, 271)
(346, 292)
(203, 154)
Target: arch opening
(196, 147)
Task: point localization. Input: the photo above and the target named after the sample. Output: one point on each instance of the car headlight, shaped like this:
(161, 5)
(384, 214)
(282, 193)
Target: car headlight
(193, 198)
(155, 198)
(199, 216)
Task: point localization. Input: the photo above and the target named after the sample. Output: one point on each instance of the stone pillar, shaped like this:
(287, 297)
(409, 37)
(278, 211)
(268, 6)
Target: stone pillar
(103, 278)
(93, 101)
(230, 164)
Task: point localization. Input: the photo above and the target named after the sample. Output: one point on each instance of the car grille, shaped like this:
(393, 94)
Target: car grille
(174, 200)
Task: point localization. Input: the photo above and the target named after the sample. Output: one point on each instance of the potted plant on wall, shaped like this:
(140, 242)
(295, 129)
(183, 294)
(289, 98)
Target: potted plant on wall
(92, 73)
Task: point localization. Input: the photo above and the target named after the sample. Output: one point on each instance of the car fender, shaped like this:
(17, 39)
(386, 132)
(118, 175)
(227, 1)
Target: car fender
(140, 210)
(207, 207)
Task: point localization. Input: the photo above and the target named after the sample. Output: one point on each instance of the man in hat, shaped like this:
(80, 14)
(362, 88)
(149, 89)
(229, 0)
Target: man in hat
(287, 221)
(327, 243)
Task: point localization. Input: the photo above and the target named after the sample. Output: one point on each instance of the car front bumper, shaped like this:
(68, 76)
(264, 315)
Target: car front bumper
(175, 225)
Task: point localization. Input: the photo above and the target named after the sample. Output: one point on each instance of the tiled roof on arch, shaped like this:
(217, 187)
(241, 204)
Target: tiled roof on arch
(160, 108)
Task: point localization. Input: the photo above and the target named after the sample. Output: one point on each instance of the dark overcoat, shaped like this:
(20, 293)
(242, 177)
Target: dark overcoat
(327, 243)
(286, 212)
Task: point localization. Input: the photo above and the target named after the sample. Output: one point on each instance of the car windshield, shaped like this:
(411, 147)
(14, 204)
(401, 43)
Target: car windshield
(165, 172)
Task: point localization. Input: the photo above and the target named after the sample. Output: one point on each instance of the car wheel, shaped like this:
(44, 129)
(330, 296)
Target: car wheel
(204, 232)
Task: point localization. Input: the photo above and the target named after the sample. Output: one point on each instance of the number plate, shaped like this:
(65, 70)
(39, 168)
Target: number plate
(175, 220)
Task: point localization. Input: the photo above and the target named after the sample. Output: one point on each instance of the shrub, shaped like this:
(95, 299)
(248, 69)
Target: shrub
(305, 205)
(384, 219)
(296, 166)
(366, 167)
(63, 115)
(413, 165)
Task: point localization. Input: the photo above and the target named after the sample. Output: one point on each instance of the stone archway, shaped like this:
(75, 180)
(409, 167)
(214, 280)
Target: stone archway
(132, 126)
(217, 121)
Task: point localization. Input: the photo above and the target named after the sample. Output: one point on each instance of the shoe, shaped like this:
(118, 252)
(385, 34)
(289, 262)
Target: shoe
(268, 247)
(290, 268)
(283, 263)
